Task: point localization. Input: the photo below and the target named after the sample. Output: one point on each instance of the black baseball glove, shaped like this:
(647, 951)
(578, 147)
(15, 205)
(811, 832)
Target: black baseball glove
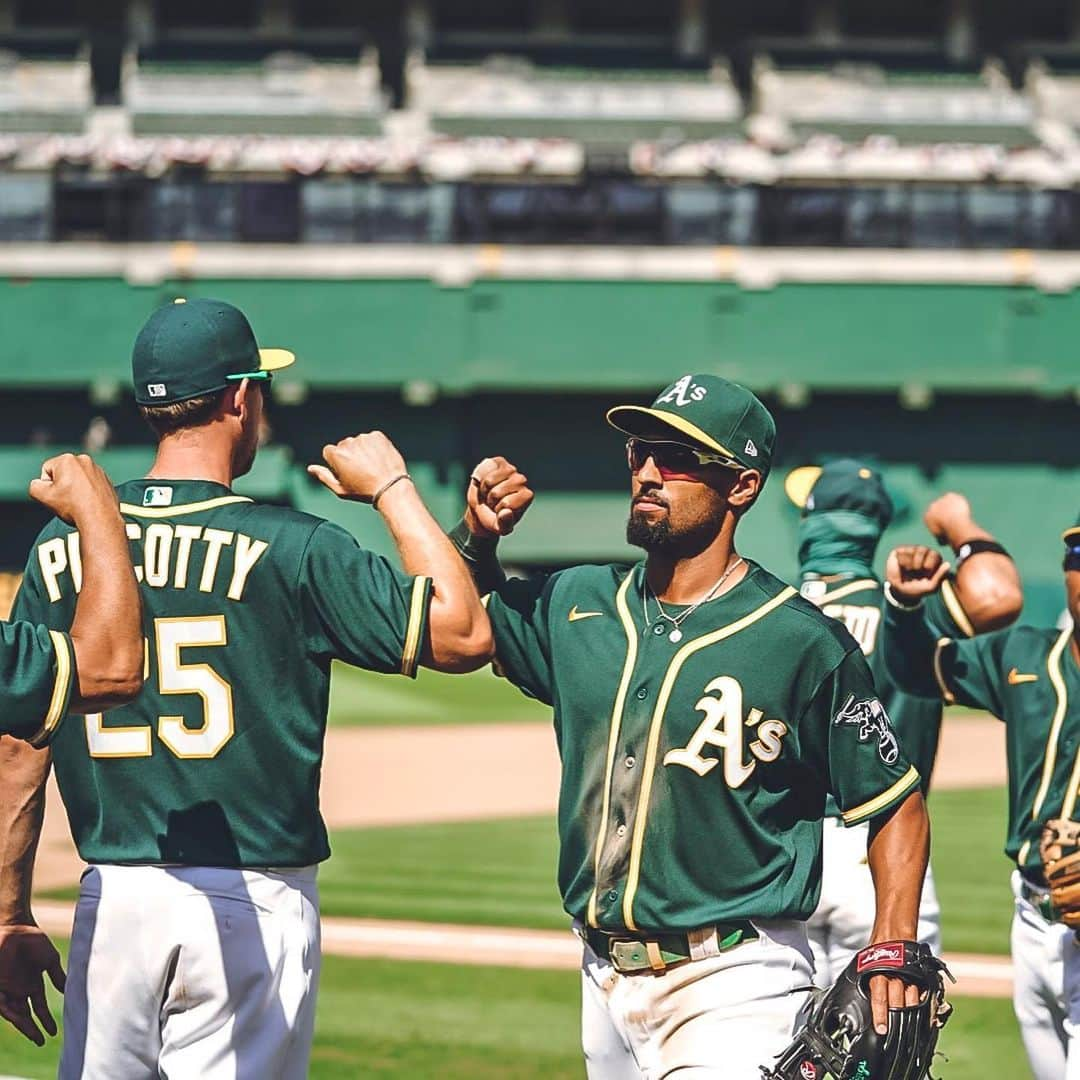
(839, 1039)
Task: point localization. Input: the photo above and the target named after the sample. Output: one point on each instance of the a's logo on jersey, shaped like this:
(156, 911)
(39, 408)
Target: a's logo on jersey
(873, 723)
(157, 496)
(575, 614)
(683, 392)
(156, 389)
(725, 728)
(1016, 678)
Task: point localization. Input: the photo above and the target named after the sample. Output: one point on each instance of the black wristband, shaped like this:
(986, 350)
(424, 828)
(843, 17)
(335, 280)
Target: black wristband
(479, 553)
(968, 548)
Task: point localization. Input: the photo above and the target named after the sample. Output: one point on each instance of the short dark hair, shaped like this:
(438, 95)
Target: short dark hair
(194, 412)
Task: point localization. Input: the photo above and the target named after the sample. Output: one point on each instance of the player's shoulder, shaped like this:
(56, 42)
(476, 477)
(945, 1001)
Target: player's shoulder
(817, 632)
(1024, 640)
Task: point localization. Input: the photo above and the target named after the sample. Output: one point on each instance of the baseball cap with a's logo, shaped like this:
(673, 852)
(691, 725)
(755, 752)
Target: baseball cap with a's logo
(706, 411)
(195, 347)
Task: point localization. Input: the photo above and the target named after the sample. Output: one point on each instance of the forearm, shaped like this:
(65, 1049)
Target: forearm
(987, 584)
(481, 557)
(459, 637)
(909, 650)
(106, 632)
(23, 772)
(898, 851)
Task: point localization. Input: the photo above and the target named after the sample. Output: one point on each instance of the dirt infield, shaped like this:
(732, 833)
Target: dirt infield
(413, 775)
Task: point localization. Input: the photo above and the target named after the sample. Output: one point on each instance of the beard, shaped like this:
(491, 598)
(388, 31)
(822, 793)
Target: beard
(660, 538)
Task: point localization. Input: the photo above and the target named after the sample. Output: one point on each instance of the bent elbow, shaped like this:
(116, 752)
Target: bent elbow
(996, 608)
(465, 652)
(107, 683)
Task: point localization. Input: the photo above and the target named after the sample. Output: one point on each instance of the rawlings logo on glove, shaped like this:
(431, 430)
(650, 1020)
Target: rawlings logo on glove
(839, 1039)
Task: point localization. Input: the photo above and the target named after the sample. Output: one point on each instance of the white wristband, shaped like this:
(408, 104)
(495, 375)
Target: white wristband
(899, 605)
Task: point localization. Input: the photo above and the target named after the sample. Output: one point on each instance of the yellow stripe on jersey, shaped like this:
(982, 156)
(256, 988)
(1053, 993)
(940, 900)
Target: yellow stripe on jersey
(1053, 669)
(61, 688)
(410, 654)
(847, 590)
(955, 608)
(939, 674)
(614, 728)
(666, 687)
(183, 508)
(909, 781)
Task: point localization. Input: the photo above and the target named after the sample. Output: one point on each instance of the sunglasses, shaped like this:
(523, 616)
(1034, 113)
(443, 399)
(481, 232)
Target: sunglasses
(1072, 557)
(674, 461)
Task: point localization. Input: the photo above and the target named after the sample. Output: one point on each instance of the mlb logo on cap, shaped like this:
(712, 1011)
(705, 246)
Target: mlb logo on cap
(156, 389)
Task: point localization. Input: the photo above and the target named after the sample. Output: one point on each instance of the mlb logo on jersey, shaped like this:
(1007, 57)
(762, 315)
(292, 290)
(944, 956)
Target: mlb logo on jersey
(157, 496)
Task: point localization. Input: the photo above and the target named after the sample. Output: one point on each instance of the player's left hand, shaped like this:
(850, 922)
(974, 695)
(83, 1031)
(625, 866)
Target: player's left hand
(358, 466)
(26, 956)
(948, 518)
(498, 496)
(886, 994)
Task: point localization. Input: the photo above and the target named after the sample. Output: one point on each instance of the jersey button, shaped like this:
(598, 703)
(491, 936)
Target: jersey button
(621, 830)
(613, 895)
(642, 694)
(630, 761)
(658, 629)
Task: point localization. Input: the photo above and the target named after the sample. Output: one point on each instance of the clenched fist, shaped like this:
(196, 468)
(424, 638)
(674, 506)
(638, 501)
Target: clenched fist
(498, 496)
(949, 519)
(915, 572)
(75, 489)
(359, 466)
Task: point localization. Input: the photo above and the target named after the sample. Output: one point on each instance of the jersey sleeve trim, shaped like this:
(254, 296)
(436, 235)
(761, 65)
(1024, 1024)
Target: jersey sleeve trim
(61, 693)
(939, 672)
(907, 783)
(414, 630)
(955, 608)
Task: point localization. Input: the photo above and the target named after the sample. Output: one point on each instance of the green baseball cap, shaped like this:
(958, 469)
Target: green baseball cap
(708, 411)
(844, 484)
(193, 347)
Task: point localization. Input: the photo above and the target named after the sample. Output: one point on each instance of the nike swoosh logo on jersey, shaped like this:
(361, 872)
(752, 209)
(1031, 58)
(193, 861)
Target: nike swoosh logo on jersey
(1016, 678)
(575, 614)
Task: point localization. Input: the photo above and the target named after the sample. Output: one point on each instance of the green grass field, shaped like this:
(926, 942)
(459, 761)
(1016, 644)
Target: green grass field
(362, 697)
(383, 1019)
(503, 872)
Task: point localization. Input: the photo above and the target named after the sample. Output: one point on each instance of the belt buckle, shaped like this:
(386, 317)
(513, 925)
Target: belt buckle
(631, 957)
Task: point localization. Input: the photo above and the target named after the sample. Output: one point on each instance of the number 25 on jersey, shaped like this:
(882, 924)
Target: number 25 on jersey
(171, 637)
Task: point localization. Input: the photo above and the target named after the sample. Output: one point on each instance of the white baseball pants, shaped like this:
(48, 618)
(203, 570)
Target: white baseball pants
(844, 918)
(721, 1016)
(1046, 990)
(183, 972)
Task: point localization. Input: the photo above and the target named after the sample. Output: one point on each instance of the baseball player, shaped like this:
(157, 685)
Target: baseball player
(845, 509)
(704, 711)
(1029, 677)
(45, 674)
(195, 949)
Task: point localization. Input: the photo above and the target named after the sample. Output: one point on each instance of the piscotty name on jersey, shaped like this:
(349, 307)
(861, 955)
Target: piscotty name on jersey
(165, 556)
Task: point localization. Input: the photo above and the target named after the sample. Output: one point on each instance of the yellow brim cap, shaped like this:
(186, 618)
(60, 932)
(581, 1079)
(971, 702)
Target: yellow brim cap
(275, 359)
(800, 482)
(628, 419)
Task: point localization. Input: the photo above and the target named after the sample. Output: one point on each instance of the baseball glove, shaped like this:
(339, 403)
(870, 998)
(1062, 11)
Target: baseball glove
(1059, 847)
(839, 1039)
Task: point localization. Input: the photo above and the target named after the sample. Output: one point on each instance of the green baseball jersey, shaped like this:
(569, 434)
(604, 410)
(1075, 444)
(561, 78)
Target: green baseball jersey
(1029, 678)
(694, 773)
(37, 672)
(859, 605)
(217, 761)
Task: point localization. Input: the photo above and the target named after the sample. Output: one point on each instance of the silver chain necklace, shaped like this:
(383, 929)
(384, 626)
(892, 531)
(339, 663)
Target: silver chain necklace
(676, 621)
